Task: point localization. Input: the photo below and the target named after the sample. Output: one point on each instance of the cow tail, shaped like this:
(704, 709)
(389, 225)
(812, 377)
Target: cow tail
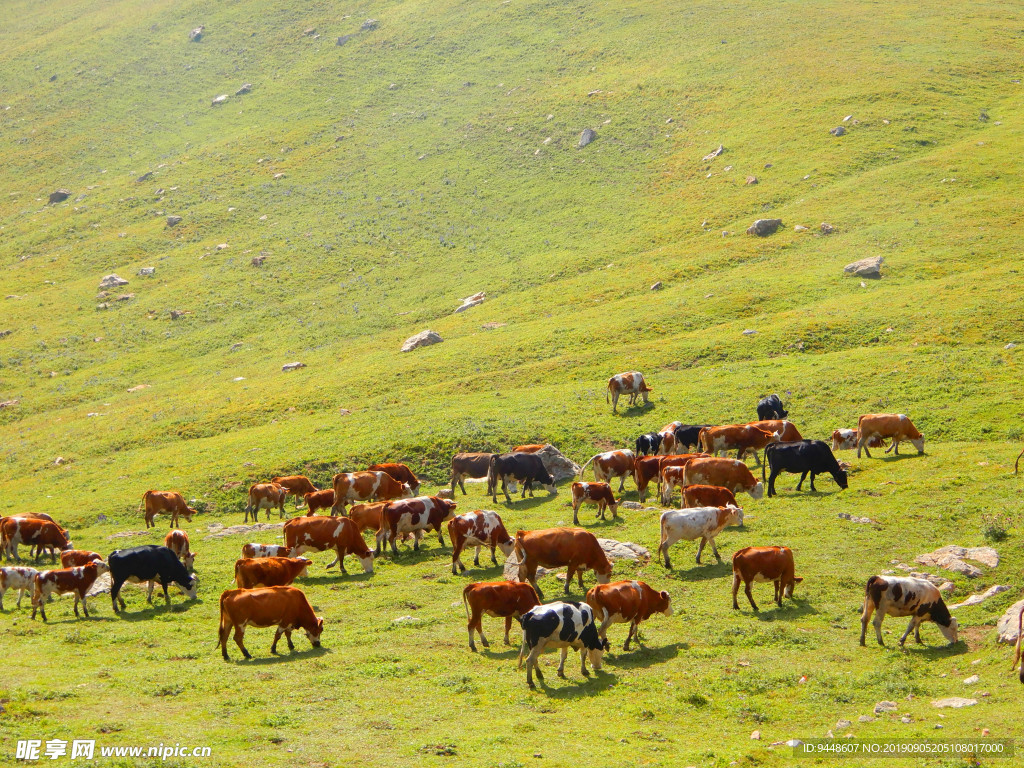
(492, 473)
(520, 549)
(143, 502)
(587, 464)
(1016, 466)
(701, 440)
(465, 602)
(224, 624)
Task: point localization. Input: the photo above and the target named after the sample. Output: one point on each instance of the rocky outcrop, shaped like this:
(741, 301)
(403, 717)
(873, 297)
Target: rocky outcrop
(560, 467)
(764, 227)
(421, 339)
(870, 267)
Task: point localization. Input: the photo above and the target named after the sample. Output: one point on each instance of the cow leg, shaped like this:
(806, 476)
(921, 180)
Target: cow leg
(714, 550)
(508, 628)
(440, 538)
(476, 559)
(85, 607)
(663, 549)
(77, 615)
(167, 597)
(778, 592)
(288, 637)
(504, 489)
(381, 536)
(863, 443)
(917, 633)
(494, 546)
(910, 628)
(115, 593)
(750, 597)
(561, 662)
(480, 629)
(615, 402)
(222, 636)
(700, 548)
(803, 476)
(864, 618)
(568, 577)
(531, 664)
(622, 483)
(583, 662)
(456, 557)
(149, 595)
(4, 592)
(878, 626)
(277, 636)
(579, 576)
(394, 546)
(341, 561)
(575, 513)
(632, 631)
(813, 489)
(527, 486)
(239, 637)
(174, 519)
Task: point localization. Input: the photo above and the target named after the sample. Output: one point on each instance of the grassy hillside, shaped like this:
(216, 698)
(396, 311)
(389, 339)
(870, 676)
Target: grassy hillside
(433, 155)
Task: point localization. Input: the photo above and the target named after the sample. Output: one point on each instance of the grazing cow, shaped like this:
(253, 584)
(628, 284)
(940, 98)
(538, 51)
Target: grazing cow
(149, 563)
(725, 473)
(741, 438)
(475, 465)
(502, 599)
(612, 464)
(265, 496)
(671, 476)
(318, 500)
(33, 550)
(296, 485)
(599, 494)
(846, 440)
(41, 534)
(316, 534)
(882, 425)
(165, 503)
(366, 486)
(631, 384)
(703, 523)
(687, 436)
(648, 445)
(266, 550)
(803, 456)
(414, 516)
(645, 469)
(560, 625)
(284, 607)
(525, 468)
(771, 408)
(19, 578)
(787, 430)
(627, 601)
(707, 496)
(554, 547)
(76, 581)
(757, 564)
(481, 528)
(667, 445)
(269, 571)
(71, 558)
(367, 515)
(177, 542)
(905, 596)
(399, 472)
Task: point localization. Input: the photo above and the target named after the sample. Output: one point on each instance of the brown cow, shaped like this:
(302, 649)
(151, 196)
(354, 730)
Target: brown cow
(414, 516)
(788, 433)
(892, 425)
(266, 550)
(474, 465)
(554, 547)
(41, 534)
(529, 448)
(626, 601)
(741, 438)
(284, 607)
(503, 599)
(165, 503)
(265, 496)
(665, 465)
(667, 446)
(758, 564)
(297, 485)
(177, 542)
(707, 496)
(76, 580)
(399, 472)
(269, 571)
(72, 558)
(366, 486)
(599, 494)
(481, 528)
(645, 469)
(846, 440)
(725, 473)
(612, 464)
(367, 515)
(319, 500)
(316, 534)
(631, 384)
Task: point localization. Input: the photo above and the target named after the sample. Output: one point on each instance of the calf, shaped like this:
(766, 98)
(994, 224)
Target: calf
(148, 563)
(905, 596)
(265, 496)
(165, 503)
(892, 425)
(316, 534)
(707, 496)
(77, 581)
(71, 558)
(612, 464)
(771, 408)
(269, 571)
(648, 445)
(366, 486)
(631, 384)
(413, 516)
(757, 564)
(525, 468)
(804, 456)
(399, 472)
(560, 625)
(741, 438)
(554, 547)
(847, 439)
(599, 494)
(703, 523)
(319, 500)
(481, 528)
(41, 534)
(474, 465)
(266, 550)
(284, 607)
(725, 473)
(177, 542)
(19, 578)
(627, 601)
(296, 485)
(671, 476)
(502, 599)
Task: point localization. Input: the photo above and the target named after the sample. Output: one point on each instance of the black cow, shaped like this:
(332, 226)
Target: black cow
(524, 468)
(151, 563)
(560, 625)
(688, 435)
(771, 408)
(648, 445)
(802, 456)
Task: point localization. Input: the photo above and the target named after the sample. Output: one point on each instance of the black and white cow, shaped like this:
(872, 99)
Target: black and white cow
(151, 563)
(648, 445)
(525, 468)
(905, 596)
(688, 436)
(560, 625)
(771, 408)
(802, 457)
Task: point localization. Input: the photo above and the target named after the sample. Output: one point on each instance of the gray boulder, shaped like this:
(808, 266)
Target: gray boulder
(173, 220)
(560, 467)
(764, 227)
(421, 339)
(588, 135)
(60, 195)
(196, 34)
(147, 271)
(112, 281)
(1007, 626)
(870, 267)
(244, 89)
(838, 131)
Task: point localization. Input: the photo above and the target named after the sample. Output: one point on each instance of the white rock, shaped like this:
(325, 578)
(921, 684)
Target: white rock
(112, 281)
(1007, 626)
(749, 332)
(147, 271)
(975, 599)
(756, 735)
(800, 228)
(1011, 345)
(972, 680)
(955, 702)
(421, 339)
(624, 550)
(292, 366)
(885, 706)
(869, 267)
(405, 620)
(219, 100)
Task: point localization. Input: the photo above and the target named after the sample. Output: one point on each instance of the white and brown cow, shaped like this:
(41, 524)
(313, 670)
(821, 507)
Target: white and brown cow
(738, 437)
(481, 528)
(76, 581)
(265, 496)
(19, 578)
(725, 473)
(846, 440)
(366, 486)
(626, 601)
(905, 596)
(41, 534)
(266, 550)
(414, 516)
(632, 384)
(177, 542)
(612, 464)
(317, 534)
(598, 494)
(703, 523)
(887, 425)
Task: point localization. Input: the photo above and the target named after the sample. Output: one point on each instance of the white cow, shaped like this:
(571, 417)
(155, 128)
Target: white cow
(702, 523)
(17, 578)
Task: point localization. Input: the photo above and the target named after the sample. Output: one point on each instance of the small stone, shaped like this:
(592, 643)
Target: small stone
(752, 180)
(145, 177)
(865, 719)
(657, 286)
(800, 228)
(1011, 345)
(939, 726)
(177, 313)
(239, 378)
(368, 25)
(196, 34)
(310, 32)
(279, 175)
(247, 88)
(219, 100)
(827, 229)
(906, 719)
(292, 366)
(838, 131)
(222, 246)
(58, 461)
(173, 220)
(405, 620)
(112, 281)
(764, 227)
(954, 702)
(341, 41)
(870, 267)
(60, 195)
(841, 724)
(421, 339)
(588, 135)
(885, 706)
(712, 155)
(749, 332)
(756, 735)
(147, 271)
(972, 680)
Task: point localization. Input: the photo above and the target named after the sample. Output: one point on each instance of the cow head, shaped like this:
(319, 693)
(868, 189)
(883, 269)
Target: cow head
(548, 483)
(664, 603)
(506, 547)
(757, 491)
(595, 644)
(951, 632)
(193, 587)
(314, 634)
(101, 567)
(407, 492)
(919, 444)
(189, 560)
(735, 515)
(306, 562)
(788, 592)
(189, 512)
(367, 562)
(448, 505)
(841, 478)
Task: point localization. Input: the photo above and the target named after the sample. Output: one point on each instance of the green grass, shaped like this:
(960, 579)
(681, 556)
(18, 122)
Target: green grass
(395, 204)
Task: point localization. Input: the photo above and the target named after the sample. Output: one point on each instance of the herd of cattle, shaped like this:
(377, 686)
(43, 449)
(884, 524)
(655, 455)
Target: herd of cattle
(383, 499)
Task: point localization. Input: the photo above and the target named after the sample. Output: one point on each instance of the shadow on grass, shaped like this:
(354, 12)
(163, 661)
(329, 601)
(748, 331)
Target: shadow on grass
(151, 611)
(640, 409)
(770, 611)
(528, 503)
(597, 683)
(643, 656)
(693, 572)
(280, 658)
(332, 575)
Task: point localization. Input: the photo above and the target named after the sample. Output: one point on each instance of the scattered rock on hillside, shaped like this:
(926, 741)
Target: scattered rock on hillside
(222, 247)
(421, 339)
(344, 39)
(247, 88)
(147, 271)
(956, 702)
(975, 599)
(838, 131)
(112, 281)
(196, 34)
(870, 267)
(1011, 345)
(219, 100)
(800, 228)
(6, 332)
(470, 301)
(752, 180)
(368, 25)
(145, 177)
(712, 155)
(840, 724)
(952, 558)
(173, 220)
(257, 261)
(588, 135)
(657, 286)
(218, 531)
(125, 297)
(764, 227)
(749, 332)
(865, 719)
(292, 366)
(827, 229)
(972, 680)
(279, 175)
(138, 387)
(492, 326)
(560, 467)
(8, 403)
(445, 493)
(624, 550)
(60, 195)
(1007, 626)
(885, 706)
(310, 32)
(177, 313)
(58, 461)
